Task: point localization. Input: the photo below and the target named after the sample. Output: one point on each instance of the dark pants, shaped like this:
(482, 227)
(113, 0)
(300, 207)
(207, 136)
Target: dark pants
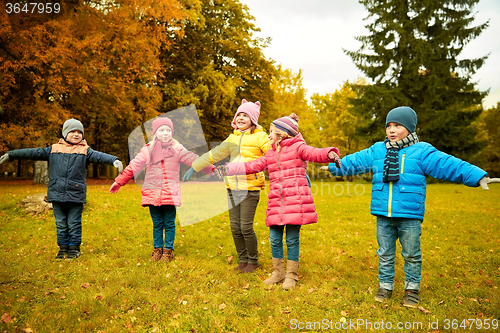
(241, 215)
(68, 222)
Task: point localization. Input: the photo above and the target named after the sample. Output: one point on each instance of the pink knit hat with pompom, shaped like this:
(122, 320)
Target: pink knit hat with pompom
(251, 109)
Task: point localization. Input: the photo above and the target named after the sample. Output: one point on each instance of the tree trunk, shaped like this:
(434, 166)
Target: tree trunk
(41, 172)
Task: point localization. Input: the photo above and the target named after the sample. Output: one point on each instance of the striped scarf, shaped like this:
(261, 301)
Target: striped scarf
(391, 162)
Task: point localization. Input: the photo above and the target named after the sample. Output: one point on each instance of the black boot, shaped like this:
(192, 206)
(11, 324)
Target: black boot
(63, 251)
(74, 252)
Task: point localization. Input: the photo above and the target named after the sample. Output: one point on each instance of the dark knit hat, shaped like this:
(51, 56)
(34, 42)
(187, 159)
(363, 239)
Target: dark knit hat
(289, 125)
(71, 125)
(403, 115)
(160, 121)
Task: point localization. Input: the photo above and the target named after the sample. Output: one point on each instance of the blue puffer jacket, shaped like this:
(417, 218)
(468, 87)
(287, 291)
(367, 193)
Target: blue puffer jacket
(68, 168)
(406, 197)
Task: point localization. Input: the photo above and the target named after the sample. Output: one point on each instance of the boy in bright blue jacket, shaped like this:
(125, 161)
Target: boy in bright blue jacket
(399, 166)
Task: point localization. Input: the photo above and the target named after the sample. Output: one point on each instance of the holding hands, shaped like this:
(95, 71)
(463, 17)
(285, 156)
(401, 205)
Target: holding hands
(334, 156)
(221, 171)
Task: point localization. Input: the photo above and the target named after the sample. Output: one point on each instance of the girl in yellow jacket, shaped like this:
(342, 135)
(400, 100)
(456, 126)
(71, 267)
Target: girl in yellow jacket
(248, 142)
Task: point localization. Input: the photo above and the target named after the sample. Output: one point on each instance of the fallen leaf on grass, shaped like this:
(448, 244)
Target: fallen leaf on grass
(440, 302)
(6, 318)
(246, 286)
(286, 311)
(424, 310)
(229, 259)
(343, 313)
(222, 306)
(98, 297)
(27, 330)
(86, 285)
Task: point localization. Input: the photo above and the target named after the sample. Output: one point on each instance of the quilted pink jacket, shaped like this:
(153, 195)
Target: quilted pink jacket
(290, 200)
(161, 184)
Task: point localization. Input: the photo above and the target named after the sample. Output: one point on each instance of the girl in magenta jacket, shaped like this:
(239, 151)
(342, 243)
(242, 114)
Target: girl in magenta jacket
(161, 191)
(290, 200)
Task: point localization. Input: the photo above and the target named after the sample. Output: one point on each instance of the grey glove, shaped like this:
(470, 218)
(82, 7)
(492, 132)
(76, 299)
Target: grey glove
(486, 180)
(119, 165)
(4, 158)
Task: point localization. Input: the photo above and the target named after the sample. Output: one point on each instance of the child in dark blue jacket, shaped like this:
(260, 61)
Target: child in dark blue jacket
(399, 166)
(67, 188)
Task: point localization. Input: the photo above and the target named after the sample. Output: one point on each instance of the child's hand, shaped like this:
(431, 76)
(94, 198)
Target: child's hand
(188, 174)
(485, 181)
(119, 165)
(4, 158)
(115, 187)
(335, 158)
(221, 171)
(324, 168)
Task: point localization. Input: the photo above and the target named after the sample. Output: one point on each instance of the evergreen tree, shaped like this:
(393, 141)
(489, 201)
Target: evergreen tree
(411, 55)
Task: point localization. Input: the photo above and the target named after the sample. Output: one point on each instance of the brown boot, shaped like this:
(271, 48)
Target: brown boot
(250, 268)
(167, 256)
(156, 255)
(291, 276)
(278, 272)
(241, 267)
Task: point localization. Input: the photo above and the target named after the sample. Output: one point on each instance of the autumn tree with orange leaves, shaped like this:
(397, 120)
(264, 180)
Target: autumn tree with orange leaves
(98, 62)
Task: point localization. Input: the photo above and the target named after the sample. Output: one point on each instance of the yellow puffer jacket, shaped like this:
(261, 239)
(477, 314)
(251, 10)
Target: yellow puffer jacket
(243, 147)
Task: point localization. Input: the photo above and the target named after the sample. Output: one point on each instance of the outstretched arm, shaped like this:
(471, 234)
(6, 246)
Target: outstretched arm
(215, 155)
(36, 154)
(440, 165)
(354, 164)
(242, 168)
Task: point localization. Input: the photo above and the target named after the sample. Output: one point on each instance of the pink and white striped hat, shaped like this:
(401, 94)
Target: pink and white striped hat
(288, 125)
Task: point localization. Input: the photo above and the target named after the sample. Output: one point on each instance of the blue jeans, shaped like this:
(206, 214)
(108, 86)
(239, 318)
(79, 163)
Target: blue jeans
(163, 220)
(68, 222)
(292, 241)
(389, 229)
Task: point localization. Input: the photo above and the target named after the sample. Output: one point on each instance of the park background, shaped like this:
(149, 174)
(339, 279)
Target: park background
(116, 64)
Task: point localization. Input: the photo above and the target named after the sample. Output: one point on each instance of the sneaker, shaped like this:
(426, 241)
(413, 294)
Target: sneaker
(157, 254)
(63, 252)
(383, 294)
(411, 298)
(74, 252)
(167, 255)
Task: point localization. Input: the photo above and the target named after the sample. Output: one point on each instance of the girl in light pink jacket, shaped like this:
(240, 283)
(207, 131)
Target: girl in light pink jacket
(290, 202)
(161, 191)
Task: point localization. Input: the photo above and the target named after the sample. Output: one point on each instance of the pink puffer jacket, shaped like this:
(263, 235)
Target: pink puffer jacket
(161, 184)
(290, 200)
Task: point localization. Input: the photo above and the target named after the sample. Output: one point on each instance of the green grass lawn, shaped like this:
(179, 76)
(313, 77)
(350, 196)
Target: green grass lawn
(113, 287)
